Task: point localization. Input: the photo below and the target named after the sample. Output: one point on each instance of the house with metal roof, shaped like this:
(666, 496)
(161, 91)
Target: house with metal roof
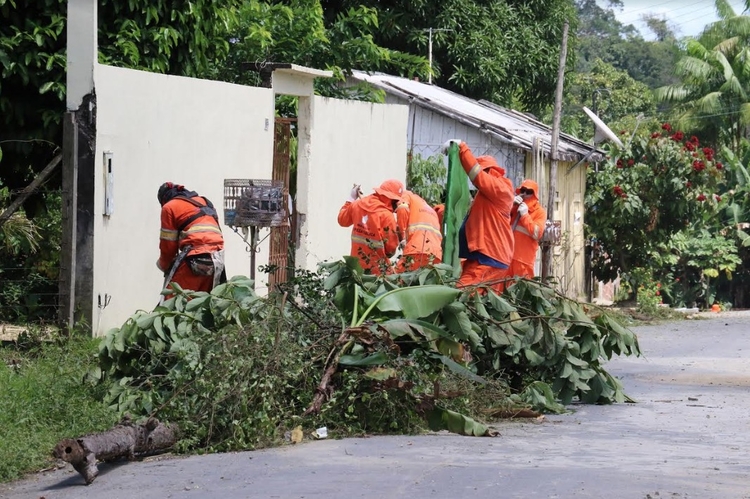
(519, 142)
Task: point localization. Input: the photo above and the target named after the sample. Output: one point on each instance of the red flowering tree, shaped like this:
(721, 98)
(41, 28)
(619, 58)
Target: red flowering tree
(658, 185)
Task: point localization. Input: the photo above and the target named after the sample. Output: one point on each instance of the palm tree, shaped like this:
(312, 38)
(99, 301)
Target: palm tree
(713, 97)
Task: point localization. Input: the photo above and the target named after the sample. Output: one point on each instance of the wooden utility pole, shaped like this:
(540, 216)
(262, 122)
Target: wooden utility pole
(552, 190)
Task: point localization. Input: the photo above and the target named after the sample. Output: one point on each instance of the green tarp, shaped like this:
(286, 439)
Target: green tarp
(457, 202)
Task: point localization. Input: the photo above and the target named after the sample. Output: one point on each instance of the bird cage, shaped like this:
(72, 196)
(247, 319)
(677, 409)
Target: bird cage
(552, 233)
(254, 203)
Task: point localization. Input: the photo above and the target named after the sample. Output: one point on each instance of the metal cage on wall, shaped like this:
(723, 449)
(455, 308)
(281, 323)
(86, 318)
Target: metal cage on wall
(552, 233)
(254, 203)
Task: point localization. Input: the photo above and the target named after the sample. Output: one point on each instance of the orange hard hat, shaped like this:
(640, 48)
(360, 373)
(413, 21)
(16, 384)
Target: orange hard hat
(392, 189)
(490, 162)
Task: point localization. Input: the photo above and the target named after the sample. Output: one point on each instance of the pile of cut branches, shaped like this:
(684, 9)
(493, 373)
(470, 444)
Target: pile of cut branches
(357, 354)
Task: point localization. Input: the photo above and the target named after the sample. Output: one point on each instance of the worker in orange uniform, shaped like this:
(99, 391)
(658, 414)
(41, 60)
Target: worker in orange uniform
(485, 239)
(374, 232)
(529, 219)
(191, 244)
(419, 230)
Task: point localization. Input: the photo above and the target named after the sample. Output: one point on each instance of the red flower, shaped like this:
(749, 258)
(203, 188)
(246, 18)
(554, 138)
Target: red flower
(667, 127)
(658, 285)
(678, 136)
(695, 154)
(658, 293)
(677, 279)
(631, 162)
(655, 135)
(719, 166)
(689, 146)
(701, 197)
(619, 163)
(699, 166)
(694, 140)
(718, 198)
(688, 184)
(617, 190)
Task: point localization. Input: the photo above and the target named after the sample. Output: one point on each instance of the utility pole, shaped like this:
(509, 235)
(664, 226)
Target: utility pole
(429, 48)
(547, 248)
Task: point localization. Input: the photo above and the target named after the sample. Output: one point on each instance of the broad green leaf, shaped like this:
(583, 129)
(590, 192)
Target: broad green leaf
(460, 370)
(375, 359)
(443, 419)
(417, 302)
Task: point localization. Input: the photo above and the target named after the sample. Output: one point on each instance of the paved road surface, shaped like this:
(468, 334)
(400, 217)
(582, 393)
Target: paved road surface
(688, 437)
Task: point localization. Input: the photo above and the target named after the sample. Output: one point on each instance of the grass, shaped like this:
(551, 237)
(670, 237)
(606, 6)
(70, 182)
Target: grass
(43, 399)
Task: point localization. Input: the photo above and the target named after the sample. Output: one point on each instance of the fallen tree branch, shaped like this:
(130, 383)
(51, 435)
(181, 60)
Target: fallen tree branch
(324, 390)
(29, 189)
(124, 440)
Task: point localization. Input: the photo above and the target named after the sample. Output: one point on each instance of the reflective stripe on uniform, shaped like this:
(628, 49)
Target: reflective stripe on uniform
(168, 235)
(198, 228)
(425, 227)
(372, 243)
(474, 171)
(523, 230)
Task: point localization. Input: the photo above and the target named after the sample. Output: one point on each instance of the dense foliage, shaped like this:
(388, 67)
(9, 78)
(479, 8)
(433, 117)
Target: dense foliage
(655, 216)
(395, 354)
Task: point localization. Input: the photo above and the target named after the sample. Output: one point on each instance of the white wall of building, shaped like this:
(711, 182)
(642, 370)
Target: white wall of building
(166, 128)
(348, 142)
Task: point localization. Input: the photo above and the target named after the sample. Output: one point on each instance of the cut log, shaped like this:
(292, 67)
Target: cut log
(126, 439)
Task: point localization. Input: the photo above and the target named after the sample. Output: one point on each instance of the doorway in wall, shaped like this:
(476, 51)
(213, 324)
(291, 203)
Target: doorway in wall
(279, 254)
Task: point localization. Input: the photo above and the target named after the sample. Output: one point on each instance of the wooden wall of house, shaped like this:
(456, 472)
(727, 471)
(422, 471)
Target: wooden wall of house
(568, 257)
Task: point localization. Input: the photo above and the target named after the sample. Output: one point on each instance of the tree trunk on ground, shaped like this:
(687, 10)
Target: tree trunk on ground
(124, 440)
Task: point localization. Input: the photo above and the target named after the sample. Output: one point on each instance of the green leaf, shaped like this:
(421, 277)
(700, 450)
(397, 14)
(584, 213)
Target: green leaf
(443, 419)
(375, 359)
(417, 302)
(460, 370)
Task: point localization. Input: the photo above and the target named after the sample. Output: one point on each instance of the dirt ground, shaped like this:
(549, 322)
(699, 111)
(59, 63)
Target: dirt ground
(688, 436)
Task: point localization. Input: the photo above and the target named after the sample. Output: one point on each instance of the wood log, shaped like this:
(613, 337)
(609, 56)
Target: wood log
(126, 439)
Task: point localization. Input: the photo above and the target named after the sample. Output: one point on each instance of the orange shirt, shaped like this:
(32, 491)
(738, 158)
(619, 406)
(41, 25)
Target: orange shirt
(374, 233)
(419, 226)
(529, 228)
(488, 222)
(203, 233)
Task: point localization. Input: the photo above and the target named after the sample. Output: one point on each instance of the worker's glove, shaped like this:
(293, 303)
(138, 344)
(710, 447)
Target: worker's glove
(449, 143)
(355, 192)
(523, 209)
(518, 200)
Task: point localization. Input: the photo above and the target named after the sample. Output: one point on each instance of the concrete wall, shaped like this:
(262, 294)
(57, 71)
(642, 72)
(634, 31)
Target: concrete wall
(347, 142)
(165, 128)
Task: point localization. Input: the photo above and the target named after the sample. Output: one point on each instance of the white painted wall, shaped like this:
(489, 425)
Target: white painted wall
(166, 128)
(347, 142)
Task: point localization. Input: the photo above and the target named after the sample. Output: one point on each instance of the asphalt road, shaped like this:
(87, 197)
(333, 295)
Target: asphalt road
(687, 437)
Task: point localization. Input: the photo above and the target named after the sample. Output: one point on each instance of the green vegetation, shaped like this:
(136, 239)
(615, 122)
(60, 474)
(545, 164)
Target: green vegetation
(43, 399)
(394, 355)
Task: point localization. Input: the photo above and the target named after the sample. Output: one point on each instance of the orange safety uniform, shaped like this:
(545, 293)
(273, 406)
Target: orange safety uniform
(487, 239)
(374, 231)
(528, 231)
(181, 227)
(440, 210)
(418, 225)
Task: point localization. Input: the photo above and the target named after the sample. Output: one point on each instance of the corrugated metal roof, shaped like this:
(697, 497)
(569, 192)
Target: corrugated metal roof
(512, 127)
